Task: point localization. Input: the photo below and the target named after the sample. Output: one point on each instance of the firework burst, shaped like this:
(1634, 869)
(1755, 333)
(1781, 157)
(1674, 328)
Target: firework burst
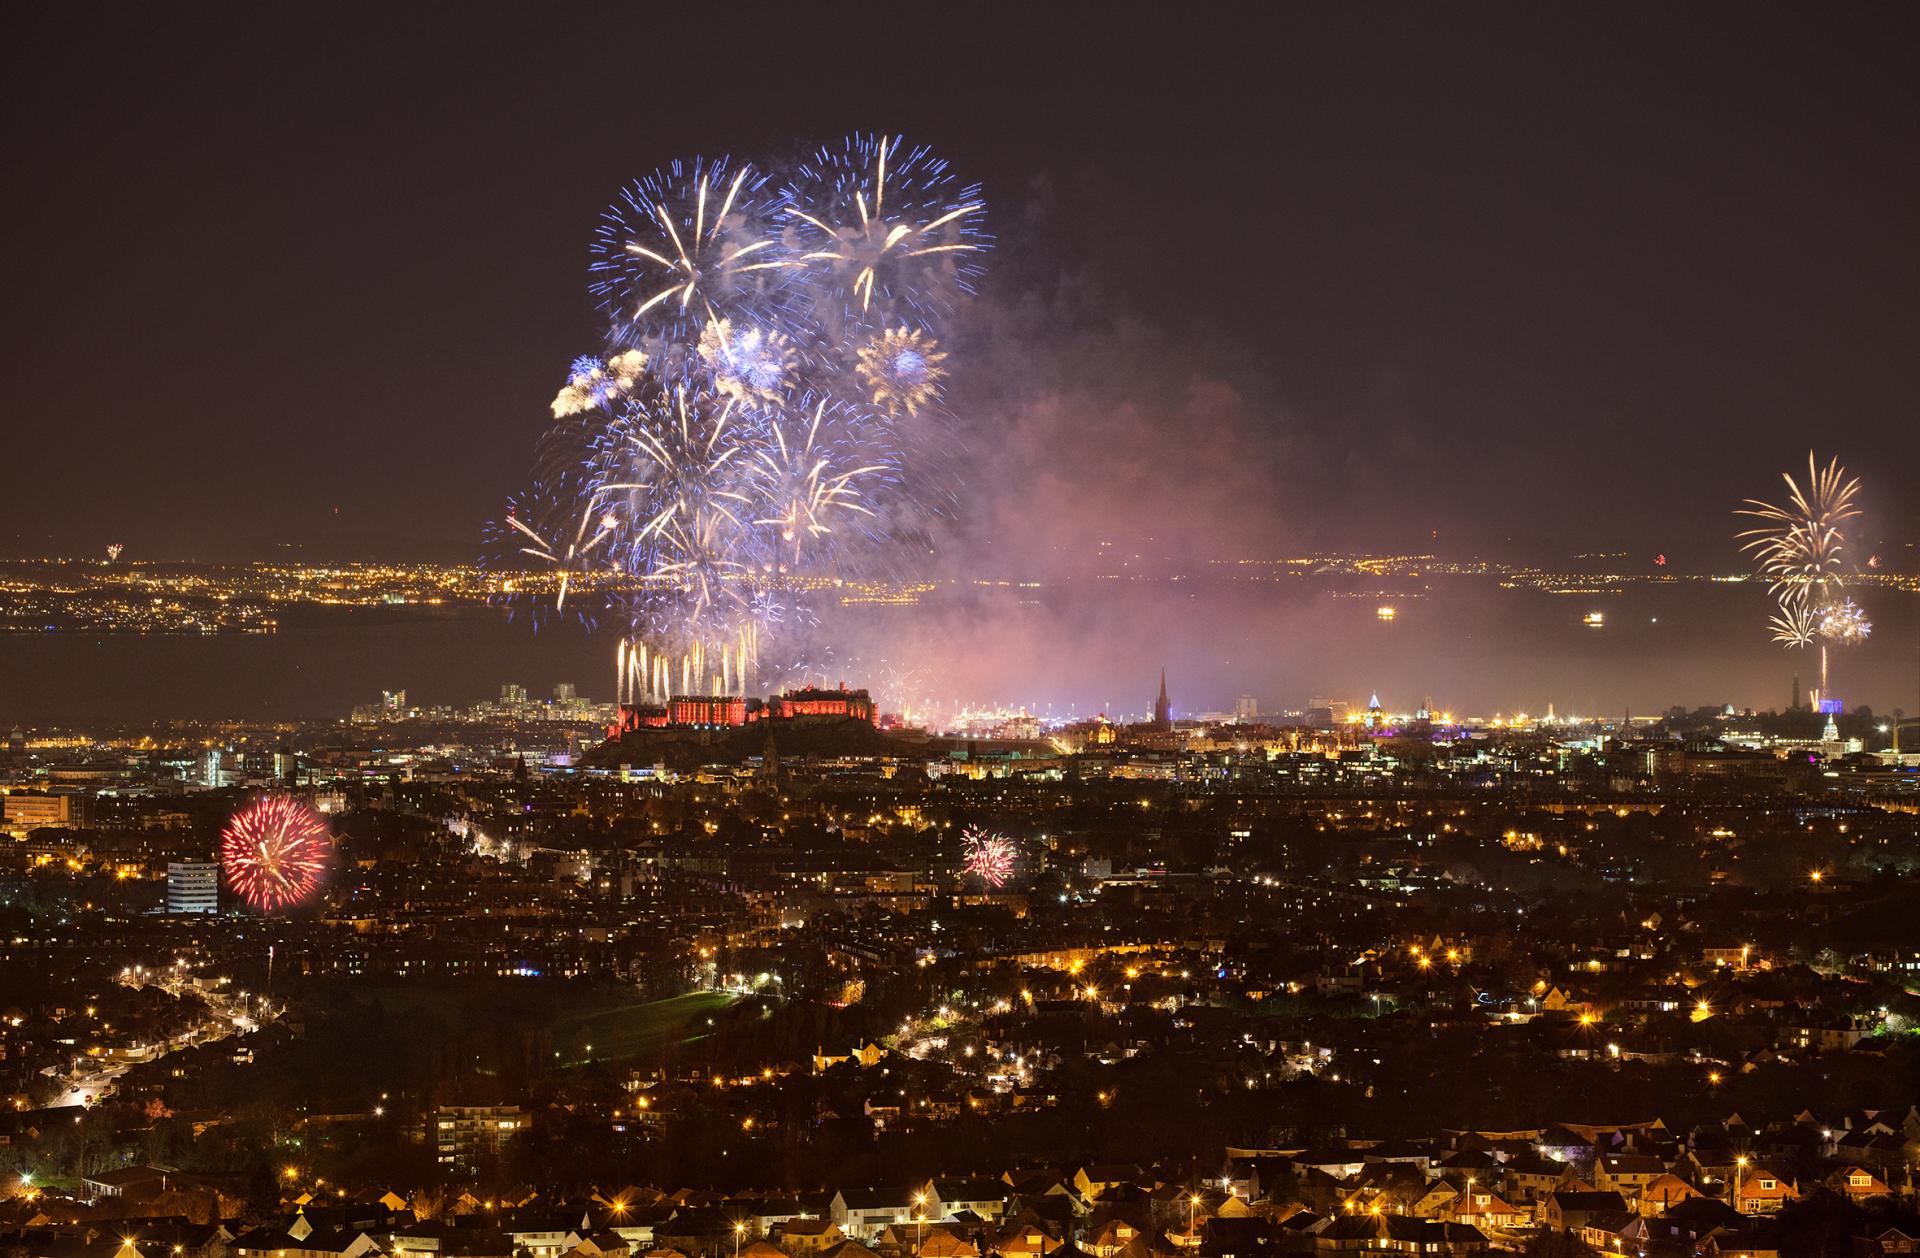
(274, 852)
(888, 225)
(1800, 544)
(902, 370)
(747, 364)
(591, 382)
(1799, 547)
(1844, 623)
(690, 241)
(739, 439)
(987, 856)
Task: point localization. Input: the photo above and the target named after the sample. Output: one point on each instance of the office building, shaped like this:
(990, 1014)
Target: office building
(193, 887)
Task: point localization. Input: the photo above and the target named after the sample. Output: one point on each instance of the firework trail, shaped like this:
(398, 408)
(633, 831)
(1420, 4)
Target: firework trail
(596, 526)
(113, 551)
(1794, 626)
(740, 441)
(274, 852)
(675, 463)
(987, 856)
(799, 481)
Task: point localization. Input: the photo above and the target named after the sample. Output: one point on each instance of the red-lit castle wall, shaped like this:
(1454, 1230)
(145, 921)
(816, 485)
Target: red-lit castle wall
(816, 701)
(710, 711)
(707, 710)
(632, 718)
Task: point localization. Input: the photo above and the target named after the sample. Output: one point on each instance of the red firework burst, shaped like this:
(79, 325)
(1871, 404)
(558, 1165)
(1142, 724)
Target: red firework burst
(987, 856)
(274, 852)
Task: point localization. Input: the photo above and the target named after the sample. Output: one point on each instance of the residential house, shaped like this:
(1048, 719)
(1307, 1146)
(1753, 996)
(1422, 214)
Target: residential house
(1628, 1174)
(1392, 1233)
(865, 1212)
(1762, 1191)
(299, 1241)
(1026, 1240)
(1109, 1238)
(1887, 1242)
(983, 1198)
(1858, 1185)
(805, 1237)
(1486, 1210)
(1094, 1181)
(1531, 1178)
(1570, 1211)
(1664, 1193)
(862, 1055)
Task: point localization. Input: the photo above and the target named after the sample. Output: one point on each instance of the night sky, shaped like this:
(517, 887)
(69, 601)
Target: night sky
(312, 272)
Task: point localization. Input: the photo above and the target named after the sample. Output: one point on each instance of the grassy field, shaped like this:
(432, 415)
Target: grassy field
(643, 1026)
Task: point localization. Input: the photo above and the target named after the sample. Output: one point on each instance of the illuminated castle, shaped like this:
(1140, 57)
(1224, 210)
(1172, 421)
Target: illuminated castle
(819, 701)
(727, 711)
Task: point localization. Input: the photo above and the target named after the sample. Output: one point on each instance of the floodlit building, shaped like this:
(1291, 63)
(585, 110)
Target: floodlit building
(193, 887)
(462, 1134)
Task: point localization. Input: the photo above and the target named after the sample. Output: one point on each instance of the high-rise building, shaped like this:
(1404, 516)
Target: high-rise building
(219, 767)
(511, 693)
(393, 700)
(193, 887)
(1246, 709)
(463, 1134)
(564, 692)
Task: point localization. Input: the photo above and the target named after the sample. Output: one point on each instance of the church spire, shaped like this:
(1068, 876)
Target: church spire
(1162, 709)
